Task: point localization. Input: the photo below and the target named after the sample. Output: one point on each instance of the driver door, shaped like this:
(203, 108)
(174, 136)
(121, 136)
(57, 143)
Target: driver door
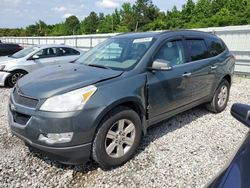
(171, 89)
(46, 57)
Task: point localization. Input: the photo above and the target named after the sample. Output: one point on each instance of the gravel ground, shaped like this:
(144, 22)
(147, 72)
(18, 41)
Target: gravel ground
(184, 151)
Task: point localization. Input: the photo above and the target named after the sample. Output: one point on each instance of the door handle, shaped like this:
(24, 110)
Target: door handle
(214, 67)
(187, 74)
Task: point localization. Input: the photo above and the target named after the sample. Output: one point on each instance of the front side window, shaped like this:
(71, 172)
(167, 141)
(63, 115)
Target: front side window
(172, 51)
(197, 49)
(117, 53)
(46, 53)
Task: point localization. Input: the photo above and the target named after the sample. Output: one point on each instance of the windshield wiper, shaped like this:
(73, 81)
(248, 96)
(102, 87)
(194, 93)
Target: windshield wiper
(99, 66)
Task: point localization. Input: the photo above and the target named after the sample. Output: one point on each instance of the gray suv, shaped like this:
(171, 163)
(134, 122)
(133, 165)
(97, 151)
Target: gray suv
(100, 106)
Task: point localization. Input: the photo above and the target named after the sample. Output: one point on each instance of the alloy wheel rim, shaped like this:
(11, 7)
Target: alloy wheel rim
(16, 77)
(120, 138)
(222, 96)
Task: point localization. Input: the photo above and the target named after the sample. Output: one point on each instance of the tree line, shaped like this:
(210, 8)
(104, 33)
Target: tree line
(143, 15)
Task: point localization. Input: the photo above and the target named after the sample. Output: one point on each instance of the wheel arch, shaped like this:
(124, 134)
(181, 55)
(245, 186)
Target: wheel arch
(12, 71)
(21, 70)
(228, 78)
(130, 102)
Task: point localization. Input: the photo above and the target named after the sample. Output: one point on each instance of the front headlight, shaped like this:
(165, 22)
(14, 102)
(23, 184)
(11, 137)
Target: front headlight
(69, 102)
(2, 67)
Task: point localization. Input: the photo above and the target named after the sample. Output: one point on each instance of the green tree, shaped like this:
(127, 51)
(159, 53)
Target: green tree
(143, 15)
(90, 23)
(72, 25)
(127, 17)
(174, 19)
(106, 24)
(217, 5)
(157, 24)
(188, 11)
(145, 12)
(41, 28)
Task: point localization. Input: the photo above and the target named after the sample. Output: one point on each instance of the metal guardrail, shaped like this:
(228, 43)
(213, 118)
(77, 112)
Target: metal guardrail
(84, 42)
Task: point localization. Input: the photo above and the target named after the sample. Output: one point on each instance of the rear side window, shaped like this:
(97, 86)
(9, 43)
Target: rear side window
(197, 49)
(67, 51)
(216, 46)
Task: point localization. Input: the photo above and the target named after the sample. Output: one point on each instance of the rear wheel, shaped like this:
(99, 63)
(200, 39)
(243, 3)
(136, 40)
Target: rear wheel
(220, 99)
(117, 138)
(14, 77)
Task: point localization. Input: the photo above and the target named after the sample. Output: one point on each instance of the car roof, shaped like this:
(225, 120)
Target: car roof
(136, 35)
(52, 46)
(164, 33)
(10, 44)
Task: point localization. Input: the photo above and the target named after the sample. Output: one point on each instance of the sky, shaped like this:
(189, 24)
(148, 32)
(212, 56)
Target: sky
(21, 13)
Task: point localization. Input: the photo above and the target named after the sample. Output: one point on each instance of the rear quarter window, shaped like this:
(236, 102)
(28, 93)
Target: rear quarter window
(216, 46)
(197, 49)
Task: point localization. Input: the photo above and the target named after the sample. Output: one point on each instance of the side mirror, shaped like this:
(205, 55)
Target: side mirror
(34, 57)
(161, 65)
(241, 112)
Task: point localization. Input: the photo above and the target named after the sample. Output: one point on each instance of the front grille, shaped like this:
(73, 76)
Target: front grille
(19, 118)
(25, 101)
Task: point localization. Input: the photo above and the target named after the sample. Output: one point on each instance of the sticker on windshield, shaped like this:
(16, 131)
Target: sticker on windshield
(142, 40)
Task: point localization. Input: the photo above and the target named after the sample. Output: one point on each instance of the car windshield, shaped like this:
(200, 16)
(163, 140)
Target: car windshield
(24, 52)
(117, 53)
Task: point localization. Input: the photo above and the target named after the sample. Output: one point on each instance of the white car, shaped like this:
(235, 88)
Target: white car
(32, 58)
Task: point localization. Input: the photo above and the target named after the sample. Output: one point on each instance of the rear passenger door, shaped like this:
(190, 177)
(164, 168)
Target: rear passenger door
(202, 76)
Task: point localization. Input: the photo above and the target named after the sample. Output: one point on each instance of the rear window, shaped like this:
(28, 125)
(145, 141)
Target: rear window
(216, 46)
(197, 49)
(8, 45)
(11, 45)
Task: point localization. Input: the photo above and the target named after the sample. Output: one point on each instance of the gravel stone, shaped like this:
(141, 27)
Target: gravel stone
(187, 150)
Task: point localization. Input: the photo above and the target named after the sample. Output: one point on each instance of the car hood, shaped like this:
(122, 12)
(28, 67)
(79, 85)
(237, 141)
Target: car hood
(4, 60)
(53, 80)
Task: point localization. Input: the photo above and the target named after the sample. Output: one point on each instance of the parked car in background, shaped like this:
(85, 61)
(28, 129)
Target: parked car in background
(99, 106)
(9, 49)
(32, 58)
(237, 173)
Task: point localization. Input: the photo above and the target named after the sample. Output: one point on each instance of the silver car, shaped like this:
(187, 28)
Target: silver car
(29, 59)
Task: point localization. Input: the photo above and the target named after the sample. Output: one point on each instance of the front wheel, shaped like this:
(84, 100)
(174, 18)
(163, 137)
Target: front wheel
(14, 77)
(117, 138)
(220, 99)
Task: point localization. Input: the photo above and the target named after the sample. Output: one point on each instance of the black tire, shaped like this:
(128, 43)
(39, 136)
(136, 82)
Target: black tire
(99, 148)
(214, 105)
(14, 77)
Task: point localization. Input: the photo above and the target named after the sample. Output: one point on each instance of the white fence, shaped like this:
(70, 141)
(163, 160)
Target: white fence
(84, 42)
(237, 39)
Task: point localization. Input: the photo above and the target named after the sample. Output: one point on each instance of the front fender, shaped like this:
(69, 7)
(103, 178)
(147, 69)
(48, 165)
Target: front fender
(118, 91)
